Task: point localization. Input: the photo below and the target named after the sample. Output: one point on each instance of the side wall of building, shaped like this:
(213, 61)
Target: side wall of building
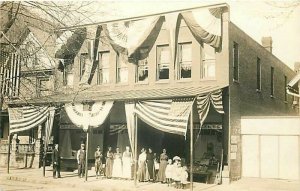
(245, 99)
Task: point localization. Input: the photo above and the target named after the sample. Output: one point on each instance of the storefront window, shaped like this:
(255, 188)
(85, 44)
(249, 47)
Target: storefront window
(163, 62)
(103, 68)
(122, 69)
(184, 60)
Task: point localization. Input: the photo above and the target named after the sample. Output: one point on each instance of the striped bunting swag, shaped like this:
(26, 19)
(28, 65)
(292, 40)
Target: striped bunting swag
(166, 115)
(204, 101)
(25, 118)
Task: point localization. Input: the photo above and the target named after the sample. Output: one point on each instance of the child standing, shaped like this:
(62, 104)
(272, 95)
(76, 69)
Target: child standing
(169, 172)
(183, 177)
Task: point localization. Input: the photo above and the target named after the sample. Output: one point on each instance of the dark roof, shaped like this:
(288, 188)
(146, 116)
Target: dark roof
(121, 95)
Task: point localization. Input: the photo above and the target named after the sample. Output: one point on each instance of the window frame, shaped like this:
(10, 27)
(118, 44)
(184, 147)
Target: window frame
(81, 65)
(258, 74)
(272, 82)
(236, 62)
(39, 79)
(179, 60)
(145, 60)
(118, 68)
(158, 61)
(100, 69)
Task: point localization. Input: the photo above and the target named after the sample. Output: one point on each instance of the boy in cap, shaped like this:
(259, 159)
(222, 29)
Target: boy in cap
(81, 161)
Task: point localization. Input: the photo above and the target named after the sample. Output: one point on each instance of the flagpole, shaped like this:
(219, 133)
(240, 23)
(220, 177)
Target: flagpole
(135, 150)
(86, 154)
(191, 149)
(8, 154)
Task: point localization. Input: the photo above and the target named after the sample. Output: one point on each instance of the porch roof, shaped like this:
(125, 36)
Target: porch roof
(121, 95)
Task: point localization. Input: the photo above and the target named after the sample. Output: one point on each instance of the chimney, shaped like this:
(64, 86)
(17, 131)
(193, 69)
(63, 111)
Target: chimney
(267, 43)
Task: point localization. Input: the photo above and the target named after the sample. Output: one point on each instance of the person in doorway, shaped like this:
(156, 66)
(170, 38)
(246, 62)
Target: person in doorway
(162, 166)
(81, 160)
(109, 163)
(127, 161)
(56, 162)
(142, 165)
(117, 166)
(98, 161)
(150, 164)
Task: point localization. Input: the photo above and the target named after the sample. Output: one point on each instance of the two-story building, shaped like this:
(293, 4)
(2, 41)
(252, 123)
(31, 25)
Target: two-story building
(150, 82)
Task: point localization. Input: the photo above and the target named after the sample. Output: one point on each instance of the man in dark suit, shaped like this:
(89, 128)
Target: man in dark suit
(56, 162)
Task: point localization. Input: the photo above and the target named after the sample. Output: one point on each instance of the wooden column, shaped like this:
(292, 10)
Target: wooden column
(8, 154)
(135, 150)
(86, 154)
(191, 148)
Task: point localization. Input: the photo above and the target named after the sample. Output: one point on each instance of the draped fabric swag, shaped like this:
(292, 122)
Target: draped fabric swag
(166, 115)
(204, 101)
(127, 36)
(84, 119)
(28, 117)
(129, 111)
(205, 25)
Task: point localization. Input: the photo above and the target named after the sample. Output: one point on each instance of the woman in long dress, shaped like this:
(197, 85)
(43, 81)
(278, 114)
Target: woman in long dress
(109, 163)
(117, 166)
(162, 166)
(142, 166)
(150, 164)
(127, 159)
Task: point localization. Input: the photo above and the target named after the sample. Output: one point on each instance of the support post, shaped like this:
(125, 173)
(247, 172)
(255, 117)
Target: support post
(135, 150)
(44, 159)
(8, 154)
(191, 148)
(86, 154)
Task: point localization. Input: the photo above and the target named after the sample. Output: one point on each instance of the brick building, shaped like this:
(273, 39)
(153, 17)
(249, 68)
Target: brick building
(178, 61)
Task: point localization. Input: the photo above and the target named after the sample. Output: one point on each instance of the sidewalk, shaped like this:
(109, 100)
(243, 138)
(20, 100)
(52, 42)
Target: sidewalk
(70, 179)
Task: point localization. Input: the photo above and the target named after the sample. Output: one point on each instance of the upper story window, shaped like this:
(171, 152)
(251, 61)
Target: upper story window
(68, 71)
(103, 68)
(163, 62)
(184, 60)
(258, 74)
(142, 67)
(83, 59)
(122, 69)
(43, 86)
(272, 82)
(285, 84)
(235, 61)
(208, 64)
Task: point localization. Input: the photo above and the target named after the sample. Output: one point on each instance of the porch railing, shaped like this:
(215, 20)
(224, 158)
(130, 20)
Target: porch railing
(20, 148)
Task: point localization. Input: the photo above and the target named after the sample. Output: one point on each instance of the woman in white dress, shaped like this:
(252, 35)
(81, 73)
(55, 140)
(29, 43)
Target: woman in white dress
(127, 163)
(117, 166)
(142, 166)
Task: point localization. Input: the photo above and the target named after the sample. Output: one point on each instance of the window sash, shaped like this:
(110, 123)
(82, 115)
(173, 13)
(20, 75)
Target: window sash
(235, 61)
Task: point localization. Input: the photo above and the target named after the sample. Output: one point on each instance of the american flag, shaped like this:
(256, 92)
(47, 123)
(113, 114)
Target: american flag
(25, 118)
(166, 115)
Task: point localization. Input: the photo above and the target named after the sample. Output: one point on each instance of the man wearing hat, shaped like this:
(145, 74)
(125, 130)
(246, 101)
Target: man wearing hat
(98, 161)
(56, 162)
(81, 160)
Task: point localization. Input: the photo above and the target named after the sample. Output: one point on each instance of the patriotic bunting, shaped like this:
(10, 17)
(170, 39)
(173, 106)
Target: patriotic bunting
(166, 115)
(94, 118)
(204, 101)
(25, 118)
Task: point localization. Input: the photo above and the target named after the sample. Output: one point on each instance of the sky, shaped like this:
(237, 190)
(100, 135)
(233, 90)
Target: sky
(278, 19)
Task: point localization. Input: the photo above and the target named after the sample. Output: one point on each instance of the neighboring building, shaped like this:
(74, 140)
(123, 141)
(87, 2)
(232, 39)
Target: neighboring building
(174, 57)
(26, 71)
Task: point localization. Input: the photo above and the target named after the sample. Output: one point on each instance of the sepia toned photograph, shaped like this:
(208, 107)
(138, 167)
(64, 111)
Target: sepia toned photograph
(106, 95)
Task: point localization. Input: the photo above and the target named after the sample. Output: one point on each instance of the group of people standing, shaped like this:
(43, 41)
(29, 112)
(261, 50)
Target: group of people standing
(119, 165)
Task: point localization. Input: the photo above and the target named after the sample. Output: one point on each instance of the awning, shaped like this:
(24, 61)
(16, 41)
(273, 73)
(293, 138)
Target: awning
(292, 85)
(121, 95)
